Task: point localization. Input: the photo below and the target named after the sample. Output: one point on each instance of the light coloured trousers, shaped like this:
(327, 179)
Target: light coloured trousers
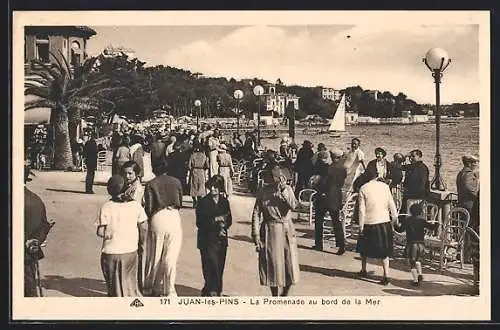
(163, 248)
(214, 166)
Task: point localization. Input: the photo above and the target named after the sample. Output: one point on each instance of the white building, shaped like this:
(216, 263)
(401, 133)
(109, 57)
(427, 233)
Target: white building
(351, 118)
(278, 101)
(330, 94)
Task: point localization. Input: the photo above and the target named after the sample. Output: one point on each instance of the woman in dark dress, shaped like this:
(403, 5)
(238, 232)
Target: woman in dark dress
(213, 219)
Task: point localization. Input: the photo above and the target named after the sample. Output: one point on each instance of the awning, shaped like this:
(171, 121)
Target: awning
(37, 116)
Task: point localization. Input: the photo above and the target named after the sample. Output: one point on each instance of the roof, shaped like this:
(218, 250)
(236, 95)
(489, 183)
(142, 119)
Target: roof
(73, 31)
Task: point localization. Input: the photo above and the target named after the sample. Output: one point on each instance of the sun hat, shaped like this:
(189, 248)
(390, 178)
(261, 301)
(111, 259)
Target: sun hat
(336, 152)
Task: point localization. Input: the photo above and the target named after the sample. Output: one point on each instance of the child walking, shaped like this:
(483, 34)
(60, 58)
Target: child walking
(415, 226)
(118, 224)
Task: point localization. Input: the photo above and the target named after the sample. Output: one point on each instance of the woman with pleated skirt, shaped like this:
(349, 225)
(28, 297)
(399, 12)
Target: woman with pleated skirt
(274, 235)
(376, 209)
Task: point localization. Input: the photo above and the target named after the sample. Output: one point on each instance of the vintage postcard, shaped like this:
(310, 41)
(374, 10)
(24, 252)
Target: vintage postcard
(270, 165)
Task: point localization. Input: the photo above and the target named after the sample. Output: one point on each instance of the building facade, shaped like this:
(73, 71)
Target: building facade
(330, 94)
(67, 43)
(278, 101)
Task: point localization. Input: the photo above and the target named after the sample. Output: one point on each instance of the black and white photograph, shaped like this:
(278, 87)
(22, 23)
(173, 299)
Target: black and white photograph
(302, 165)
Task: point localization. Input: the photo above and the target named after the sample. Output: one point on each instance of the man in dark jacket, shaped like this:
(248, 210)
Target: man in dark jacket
(90, 154)
(304, 166)
(36, 228)
(157, 154)
(416, 182)
(330, 200)
(468, 182)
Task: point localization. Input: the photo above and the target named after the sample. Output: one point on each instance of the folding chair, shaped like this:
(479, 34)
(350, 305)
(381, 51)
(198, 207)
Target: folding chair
(101, 159)
(306, 204)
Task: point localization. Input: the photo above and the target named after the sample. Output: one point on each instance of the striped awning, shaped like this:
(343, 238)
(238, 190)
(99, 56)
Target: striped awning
(37, 116)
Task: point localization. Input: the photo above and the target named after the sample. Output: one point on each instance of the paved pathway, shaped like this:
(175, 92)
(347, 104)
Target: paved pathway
(71, 266)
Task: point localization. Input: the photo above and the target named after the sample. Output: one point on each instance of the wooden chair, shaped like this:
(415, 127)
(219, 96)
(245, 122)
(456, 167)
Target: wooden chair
(450, 242)
(399, 239)
(453, 198)
(240, 175)
(474, 249)
(306, 204)
(101, 159)
(397, 194)
(347, 213)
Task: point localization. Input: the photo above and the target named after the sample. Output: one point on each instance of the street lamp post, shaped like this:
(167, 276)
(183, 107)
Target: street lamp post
(238, 95)
(197, 104)
(258, 91)
(437, 60)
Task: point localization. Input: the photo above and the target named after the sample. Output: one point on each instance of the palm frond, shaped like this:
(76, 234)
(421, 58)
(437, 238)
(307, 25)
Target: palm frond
(38, 91)
(28, 84)
(105, 92)
(66, 64)
(88, 89)
(40, 104)
(40, 75)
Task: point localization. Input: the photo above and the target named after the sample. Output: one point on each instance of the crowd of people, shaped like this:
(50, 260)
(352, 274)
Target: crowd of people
(140, 224)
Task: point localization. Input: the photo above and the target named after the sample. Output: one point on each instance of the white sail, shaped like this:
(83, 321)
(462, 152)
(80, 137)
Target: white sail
(338, 121)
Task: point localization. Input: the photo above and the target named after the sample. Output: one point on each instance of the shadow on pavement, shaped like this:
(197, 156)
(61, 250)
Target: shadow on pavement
(67, 190)
(308, 233)
(243, 193)
(430, 288)
(187, 291)
(242, 238)
(402, 265)
(327, 271)
(87, 287)
(76, 287)
(340, 273)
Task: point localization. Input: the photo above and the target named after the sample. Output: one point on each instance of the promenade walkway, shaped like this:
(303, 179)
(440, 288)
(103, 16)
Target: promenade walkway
(71, 266)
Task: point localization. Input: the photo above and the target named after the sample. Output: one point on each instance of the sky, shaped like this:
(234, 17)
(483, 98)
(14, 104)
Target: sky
(383, 56)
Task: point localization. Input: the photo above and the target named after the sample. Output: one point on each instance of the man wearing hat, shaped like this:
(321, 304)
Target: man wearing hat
(468, 182)
(329, 199)
(158, 148)
(304, 166)
(416, 181)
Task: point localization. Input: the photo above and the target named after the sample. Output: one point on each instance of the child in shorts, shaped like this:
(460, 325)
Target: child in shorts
(415, 226)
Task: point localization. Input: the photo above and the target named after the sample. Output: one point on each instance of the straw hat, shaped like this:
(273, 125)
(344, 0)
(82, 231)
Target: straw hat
(222, 146)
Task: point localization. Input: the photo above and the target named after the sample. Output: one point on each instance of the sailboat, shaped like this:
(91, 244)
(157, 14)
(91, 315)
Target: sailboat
(337, 125)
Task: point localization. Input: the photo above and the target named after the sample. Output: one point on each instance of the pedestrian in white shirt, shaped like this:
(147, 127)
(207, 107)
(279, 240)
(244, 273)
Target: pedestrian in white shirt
(117, 223)
(376, 208)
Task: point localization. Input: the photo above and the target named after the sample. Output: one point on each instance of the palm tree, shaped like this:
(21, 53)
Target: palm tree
(55, 87)
(50, 84)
